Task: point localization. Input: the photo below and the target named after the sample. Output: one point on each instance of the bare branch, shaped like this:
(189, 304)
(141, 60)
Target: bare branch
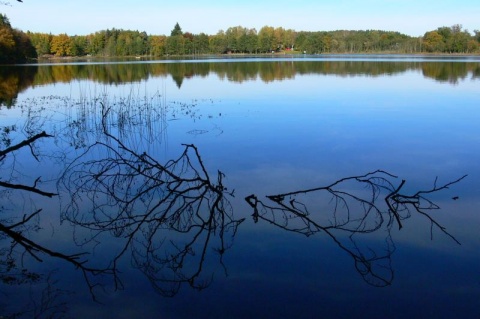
(24, 143)
(170, 216)
(31, 189)
(357, 211)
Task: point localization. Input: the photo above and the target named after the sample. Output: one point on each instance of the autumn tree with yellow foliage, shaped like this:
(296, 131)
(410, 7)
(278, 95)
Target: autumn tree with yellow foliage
(15, 46)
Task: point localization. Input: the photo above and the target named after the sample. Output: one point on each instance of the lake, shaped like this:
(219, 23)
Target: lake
(257, 187)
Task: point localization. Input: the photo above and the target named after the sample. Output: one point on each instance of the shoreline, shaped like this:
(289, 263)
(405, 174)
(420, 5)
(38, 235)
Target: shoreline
(87, 58)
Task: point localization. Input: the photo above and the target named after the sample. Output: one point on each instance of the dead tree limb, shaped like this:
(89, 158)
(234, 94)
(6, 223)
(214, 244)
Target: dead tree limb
(170, 216)
(31, 189)
(353, 213)
(24, 143)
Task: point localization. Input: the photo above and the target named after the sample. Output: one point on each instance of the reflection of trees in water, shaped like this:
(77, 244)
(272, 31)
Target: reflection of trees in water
(171, 217)
(450, 71)
(354, 212)
(232, 71)
(16, 79)
(354, 68)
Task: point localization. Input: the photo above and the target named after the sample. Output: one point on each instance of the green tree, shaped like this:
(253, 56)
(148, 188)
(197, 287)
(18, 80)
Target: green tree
(448, 39)
(141, 45)
(201, 42)
(314, 43)
(111, 37)
(122, 44)
(189, 44)
(232, 36)
(300, 41)
(41, 42)
(218, 43)
(279, 38)
(176, 30)
(96, 43)
(458, 39)
(4, 21)
(289, 38)
(251, 40)
(175, 45)
(445, 32)
(266, 39)
(327, 43)
(110, 47)
(24, 49)
(78, 45)
(477, 35)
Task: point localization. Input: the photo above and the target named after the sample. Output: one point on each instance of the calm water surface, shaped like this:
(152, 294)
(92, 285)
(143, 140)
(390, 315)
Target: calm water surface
(163, 230)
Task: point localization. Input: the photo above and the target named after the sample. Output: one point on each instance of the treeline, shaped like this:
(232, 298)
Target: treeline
(451, 40)
(239, 39)
(120, 43)
(15, 45)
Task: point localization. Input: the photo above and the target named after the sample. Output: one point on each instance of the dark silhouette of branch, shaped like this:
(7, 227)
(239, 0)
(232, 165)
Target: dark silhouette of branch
(347, 211)
(28, 142)
(35, 250)
(421, 203)
(16, 231)
(31, 189)
(44, 301)
(25, 143)
(170, 216)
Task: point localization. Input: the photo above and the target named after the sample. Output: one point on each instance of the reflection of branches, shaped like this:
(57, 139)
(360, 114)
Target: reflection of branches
(355, 208)
(50, 301)
(15, 231)
(35, 250)
(168, 215)
(45, 301)
(26, 143)
(420, 202)
(32, 189)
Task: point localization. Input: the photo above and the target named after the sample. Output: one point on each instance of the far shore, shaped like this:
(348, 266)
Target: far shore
(53, 58)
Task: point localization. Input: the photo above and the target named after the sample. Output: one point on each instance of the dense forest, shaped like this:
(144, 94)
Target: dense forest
(16, 46)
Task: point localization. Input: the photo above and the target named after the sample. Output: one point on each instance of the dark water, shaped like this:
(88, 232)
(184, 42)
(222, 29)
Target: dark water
(236, 188)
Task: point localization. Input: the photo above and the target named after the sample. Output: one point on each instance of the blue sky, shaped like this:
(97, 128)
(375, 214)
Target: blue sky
(158, 17)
